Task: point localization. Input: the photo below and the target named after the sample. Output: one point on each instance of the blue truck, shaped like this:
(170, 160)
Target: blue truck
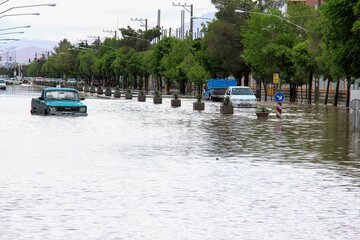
(59, 101)
(214, 89)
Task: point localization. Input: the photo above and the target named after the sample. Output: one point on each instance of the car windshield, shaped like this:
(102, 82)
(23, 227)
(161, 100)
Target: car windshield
(242, 91)
(2, 81)
(62, 95)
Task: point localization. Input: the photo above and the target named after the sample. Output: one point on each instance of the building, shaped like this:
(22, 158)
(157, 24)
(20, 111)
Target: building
(314, 3)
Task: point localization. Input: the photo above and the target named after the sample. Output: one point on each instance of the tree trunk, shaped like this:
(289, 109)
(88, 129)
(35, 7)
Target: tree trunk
(160, 84)
(265, 90)
(141, 82)
(246, 78)
(348, 85)
(146, 83)
(310, 86)
(182, 86)
(135, 85)
(292, 92)
(125, 82)
(258, 90)
(336, 93)
(168, 84)
(327, 91)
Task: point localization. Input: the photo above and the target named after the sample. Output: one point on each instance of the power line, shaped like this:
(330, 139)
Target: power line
(144, 22)
(190, 9)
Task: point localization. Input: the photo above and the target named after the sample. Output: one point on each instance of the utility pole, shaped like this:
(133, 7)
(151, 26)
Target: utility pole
(190, 9)
(318, 3)
(114, 33)
(144, 22)
(159, 18)
(159, 23)
(182, 24)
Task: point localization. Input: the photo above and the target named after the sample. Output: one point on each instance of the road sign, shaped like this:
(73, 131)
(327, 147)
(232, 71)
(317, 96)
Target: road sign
(355, 104)
(279, 110)
(279, 97)
(276, 78)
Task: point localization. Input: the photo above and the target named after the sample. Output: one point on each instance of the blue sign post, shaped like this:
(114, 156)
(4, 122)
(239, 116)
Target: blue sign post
(279, 98)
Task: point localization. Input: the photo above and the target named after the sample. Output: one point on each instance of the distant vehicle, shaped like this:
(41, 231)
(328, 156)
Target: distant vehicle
(8, 81)
(96, 83)
(214, 89)
(59, 101)
(71, 82)
(241, 96)
(27, 80)
(2, 84)
(15, 81)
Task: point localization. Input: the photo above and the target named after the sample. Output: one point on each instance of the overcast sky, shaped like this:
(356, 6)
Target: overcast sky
(78, 19)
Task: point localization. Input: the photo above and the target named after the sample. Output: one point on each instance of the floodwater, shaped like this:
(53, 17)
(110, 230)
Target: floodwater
(133, 170)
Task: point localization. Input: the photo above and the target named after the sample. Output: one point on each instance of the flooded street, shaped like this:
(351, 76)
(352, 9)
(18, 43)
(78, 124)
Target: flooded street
(132, 170)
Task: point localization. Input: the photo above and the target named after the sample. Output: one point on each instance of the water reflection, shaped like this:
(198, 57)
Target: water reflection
(135, 170)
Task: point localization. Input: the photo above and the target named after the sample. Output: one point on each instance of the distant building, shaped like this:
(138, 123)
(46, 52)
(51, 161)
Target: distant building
(314, 3)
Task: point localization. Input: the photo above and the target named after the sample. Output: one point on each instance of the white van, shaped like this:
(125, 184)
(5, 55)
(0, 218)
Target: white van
(2, 84)
(241, 96)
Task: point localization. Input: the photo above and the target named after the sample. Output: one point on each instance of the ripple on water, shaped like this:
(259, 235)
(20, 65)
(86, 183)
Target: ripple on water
(135, 170)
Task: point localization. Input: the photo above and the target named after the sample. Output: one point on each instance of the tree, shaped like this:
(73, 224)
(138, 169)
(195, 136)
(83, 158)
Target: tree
(139, 40)
(260, 4)
(171, 63)
(303, 63)
(268, 41)
(342, 36)
(194, 71)
(65, 59)
(146, 67)
(162, 48)
(222, 44)
(86, 64)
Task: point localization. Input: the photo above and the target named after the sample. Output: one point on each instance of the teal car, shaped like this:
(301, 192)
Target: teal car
(59, 101)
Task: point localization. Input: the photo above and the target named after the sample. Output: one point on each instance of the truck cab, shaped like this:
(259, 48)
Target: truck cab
(214, 89)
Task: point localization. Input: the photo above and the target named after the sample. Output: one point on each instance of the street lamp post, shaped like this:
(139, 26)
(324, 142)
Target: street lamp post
(28, 6)
(190, 9)
(19, 14)
(201, 18)
(241, 11)
(1, 3)
(12, 28)
(7, 33)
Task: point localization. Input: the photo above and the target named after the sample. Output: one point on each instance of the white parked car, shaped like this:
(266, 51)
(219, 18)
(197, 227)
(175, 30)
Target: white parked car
(241, 96)
(15, 81)
(2, 84)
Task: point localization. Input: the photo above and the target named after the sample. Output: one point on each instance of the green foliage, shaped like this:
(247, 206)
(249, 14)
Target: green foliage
(157, 94)
(223, 48)
(273, 44)
(342, 35)
(139, 40)
(86, 63)
(199, 97)
(194, 71)
(263, 109)
(261, 4)
(227, 101)
(171, 61)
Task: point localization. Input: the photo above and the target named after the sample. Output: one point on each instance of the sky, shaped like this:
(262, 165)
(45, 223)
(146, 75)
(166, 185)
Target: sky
(79, 20)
